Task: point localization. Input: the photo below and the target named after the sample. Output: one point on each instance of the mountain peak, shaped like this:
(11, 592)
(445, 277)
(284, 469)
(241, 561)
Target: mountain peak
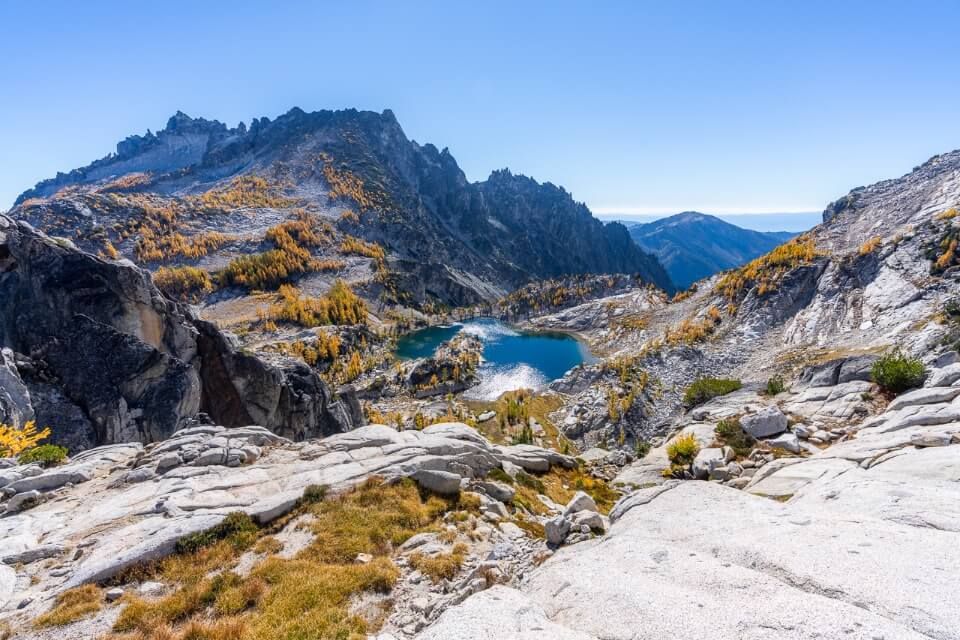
(693, 245)
(412, 200)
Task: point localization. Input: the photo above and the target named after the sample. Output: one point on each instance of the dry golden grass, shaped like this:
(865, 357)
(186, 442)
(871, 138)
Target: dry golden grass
(72, 605)
(949, 214)
(443, 566)
(307, 596)
(268, 544)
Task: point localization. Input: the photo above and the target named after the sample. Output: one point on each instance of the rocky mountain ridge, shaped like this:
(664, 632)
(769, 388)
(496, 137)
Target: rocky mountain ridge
(447, 240)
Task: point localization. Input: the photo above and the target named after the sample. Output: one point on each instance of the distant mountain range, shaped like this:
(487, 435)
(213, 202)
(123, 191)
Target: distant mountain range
(692, 246)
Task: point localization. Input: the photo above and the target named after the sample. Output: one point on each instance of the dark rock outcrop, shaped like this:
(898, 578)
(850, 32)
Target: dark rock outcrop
(106, 345)
(239, 388)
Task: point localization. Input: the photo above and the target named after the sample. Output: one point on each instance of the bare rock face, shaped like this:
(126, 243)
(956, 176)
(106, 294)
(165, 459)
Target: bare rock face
(118, 349)
(239, 388)
(15, 406)
(106, 346)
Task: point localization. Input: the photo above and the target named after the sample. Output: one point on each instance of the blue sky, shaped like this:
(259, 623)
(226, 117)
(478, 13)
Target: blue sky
(634, 107)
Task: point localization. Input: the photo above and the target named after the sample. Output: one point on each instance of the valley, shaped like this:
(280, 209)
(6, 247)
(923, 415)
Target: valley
(312, 382)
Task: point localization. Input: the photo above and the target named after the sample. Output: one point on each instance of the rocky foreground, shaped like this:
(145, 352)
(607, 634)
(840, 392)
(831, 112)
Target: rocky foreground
(857, 540)
(112, 507)
(855, 535)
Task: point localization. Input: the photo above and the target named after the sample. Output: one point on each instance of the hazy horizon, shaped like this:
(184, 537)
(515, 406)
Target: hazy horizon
(793, 222)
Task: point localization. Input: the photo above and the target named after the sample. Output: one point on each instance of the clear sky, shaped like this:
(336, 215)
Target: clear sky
(635, 107)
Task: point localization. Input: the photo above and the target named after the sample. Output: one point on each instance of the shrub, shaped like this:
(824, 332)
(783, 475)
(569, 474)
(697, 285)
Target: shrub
(870, 245)
(48, 455)
(339, 306)
(729, 432)
(896, 373)
(15, 441)
(643, 448)
(683, 450)
(692, 331)
(524, 479)
(775, 385)
(500, 475)
(314, 493)
(237, 528)
(704, 389)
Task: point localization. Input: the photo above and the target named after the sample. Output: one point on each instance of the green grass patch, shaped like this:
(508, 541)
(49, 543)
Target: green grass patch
(704, 389)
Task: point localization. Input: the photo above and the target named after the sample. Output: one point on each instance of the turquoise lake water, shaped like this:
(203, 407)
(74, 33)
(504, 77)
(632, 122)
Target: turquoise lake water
(512, 359)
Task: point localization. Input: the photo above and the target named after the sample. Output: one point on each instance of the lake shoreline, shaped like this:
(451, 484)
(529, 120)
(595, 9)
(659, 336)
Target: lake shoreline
(513, 356)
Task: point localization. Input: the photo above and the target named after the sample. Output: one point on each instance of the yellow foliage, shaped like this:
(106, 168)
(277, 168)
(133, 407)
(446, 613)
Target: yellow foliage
(354, 367)
(288, 259)
(947, 257)
(161, 245)
(344, 184)
(766, 271)
(356, 246)
(340, 306)
(870, 245)
(127, 182)
(350, 216)
(690, 331)
(948, 214)
(15, 441)
(613, 404)
(183, 283)
(244, 191)
(109, 251)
